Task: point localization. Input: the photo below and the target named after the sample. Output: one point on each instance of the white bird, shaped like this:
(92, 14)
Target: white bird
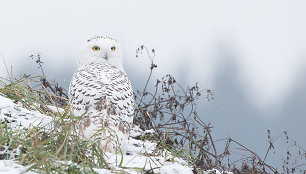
(101, 93)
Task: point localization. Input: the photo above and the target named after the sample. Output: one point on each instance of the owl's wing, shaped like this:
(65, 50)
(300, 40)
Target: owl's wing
(122, 95)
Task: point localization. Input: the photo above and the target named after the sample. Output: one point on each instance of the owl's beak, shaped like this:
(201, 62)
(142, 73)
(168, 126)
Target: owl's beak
(105, 57)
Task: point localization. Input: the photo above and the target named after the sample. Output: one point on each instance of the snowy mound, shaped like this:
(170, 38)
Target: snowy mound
(141, 155)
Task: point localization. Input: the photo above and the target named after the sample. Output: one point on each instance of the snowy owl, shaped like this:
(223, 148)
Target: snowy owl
(101, 93)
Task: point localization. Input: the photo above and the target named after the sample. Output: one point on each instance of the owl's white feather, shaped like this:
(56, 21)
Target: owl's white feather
(101, 89)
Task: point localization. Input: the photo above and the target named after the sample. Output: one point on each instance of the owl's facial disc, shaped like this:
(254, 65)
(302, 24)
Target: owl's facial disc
(101, 50)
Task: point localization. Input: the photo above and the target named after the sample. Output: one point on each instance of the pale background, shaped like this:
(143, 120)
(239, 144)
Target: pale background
(251, 54)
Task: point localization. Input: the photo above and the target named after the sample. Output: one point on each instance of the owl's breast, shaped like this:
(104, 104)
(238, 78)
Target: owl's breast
(102, 89)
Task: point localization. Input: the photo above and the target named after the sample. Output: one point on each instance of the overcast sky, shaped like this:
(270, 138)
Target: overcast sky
(251, 54)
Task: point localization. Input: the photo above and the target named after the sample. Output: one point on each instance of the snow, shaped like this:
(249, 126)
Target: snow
(12, 167)
(18, 116)
(175, 168)
(141, 155)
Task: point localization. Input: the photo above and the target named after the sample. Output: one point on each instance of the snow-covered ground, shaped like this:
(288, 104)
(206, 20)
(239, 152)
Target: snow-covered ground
(18, 116)
(141, 154)
(12, 167)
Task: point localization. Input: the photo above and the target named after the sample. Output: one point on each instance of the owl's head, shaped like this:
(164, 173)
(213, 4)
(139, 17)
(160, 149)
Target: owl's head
(101, 49)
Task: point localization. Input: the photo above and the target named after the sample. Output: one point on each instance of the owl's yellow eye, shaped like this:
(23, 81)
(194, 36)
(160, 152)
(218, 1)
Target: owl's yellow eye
(96, 48)
(113, 48)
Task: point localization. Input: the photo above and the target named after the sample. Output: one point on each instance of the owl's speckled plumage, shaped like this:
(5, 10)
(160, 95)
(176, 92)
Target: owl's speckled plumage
(101, 89)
